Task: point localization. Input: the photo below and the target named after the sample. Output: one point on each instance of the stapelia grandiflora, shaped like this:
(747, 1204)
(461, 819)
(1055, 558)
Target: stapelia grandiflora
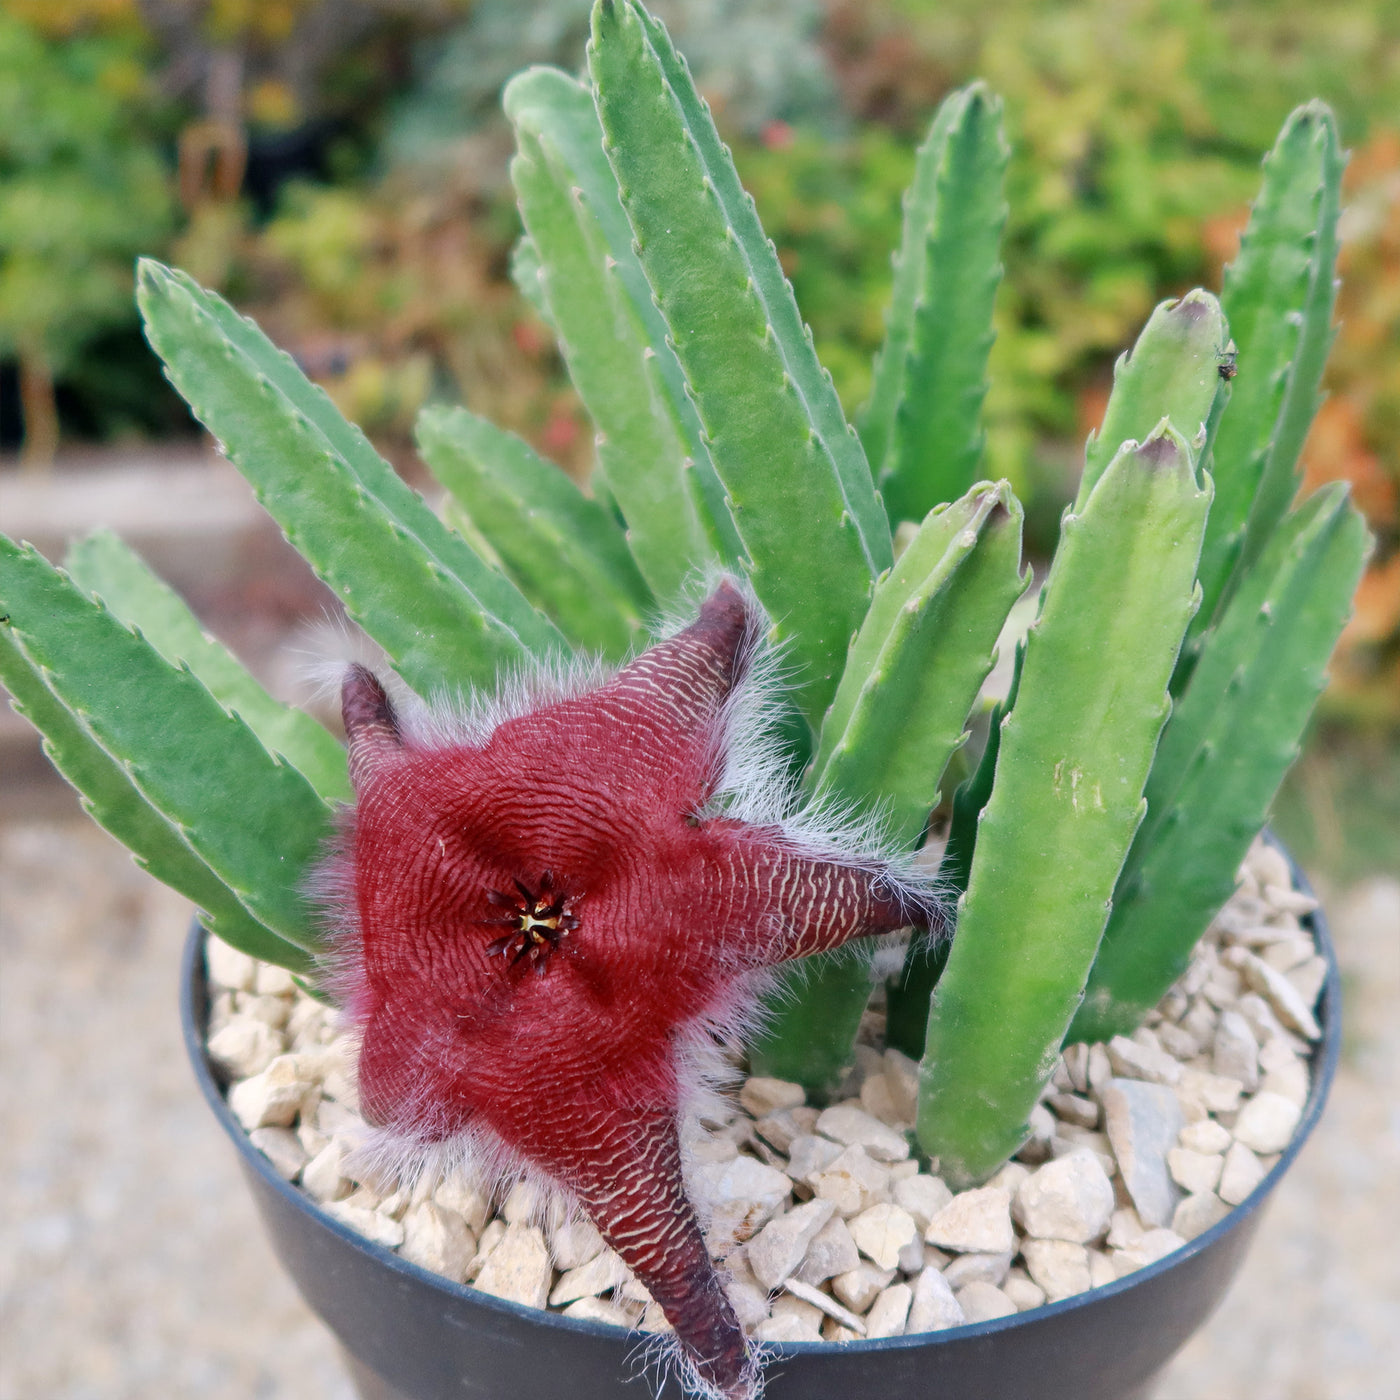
(554, 911)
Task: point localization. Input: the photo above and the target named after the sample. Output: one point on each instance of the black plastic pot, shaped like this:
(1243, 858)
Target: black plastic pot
(411, 1335)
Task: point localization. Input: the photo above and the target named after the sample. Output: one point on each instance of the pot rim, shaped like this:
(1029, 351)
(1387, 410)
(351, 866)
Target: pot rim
(1326, 1055)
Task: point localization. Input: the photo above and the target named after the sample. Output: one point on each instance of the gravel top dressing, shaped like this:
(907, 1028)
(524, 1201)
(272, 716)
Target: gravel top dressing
(827, 1223)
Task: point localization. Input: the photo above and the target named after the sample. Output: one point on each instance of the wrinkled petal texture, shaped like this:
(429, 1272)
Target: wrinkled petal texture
(563, 1042)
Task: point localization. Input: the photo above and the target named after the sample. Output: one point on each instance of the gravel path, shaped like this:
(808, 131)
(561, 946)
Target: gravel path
(111, 1289)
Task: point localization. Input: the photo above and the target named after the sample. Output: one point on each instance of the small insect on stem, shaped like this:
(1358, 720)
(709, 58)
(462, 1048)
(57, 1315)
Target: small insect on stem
(538, 920)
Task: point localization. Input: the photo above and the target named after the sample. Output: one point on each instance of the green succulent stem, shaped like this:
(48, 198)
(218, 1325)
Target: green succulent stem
(1173, 371)
(104, 565)
(123, 709)
(1232, 737)
(565, 552)
(1074, 755)
(799, 489)
(912, 674)
(1278, 297)
(442, 614)
(922, 426)
(651, 449)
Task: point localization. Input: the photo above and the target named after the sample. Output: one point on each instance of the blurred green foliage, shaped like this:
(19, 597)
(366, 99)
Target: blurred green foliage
(1136, 127)
(84, 188)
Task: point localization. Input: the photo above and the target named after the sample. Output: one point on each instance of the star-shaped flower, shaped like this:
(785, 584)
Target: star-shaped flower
(548, 913)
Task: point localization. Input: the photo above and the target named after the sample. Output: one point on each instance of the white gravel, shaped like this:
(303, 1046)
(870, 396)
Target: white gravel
(826, 1222)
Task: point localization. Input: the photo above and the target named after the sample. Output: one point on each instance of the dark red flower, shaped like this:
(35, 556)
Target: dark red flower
(548, 912)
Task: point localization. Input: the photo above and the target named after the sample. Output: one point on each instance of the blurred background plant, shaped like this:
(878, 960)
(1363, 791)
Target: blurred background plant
(337, 167)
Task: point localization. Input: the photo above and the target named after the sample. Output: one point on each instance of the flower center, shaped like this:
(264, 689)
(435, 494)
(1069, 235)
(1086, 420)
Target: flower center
(537, 922)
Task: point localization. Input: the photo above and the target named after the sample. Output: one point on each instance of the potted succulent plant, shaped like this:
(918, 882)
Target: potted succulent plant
(541, 889)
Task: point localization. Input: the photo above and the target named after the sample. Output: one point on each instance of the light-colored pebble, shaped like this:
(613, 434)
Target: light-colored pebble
(852, 1182)
(1072, 1108)
(889, 1312)
(439, 1240)
(523, 1204)
(791, 1320)
(1289, 1081)
(654, 1319)
(778, 1130)
(518, 1268)
(282, 1148)
(811, 1316)
(742, 1195)
(601, 1274)
(1284, 954)
(832, 1331)
(749, 1299)
(762, 1095)
(982, 1302)
(902, 1075)
(1023, 1290)
(1009, 1177)
(877, 1099)
(1143, 1121)
(883, 1232)
(1100, 1067)
(933, 1306)
(323, 1177)
(274, 981)
(573, 1243)
(831, 1252)
(1205, 1135)
(809, 1294)
(227, 967)
(599, 1310)
(859, 1287)
(1267, 1122)
(1058, 1266)
(923, 1196)
(457, 1193)
(976, 1221)
(778, 1248)
(1194, 1171)
(273, 1012)
(245, 1047)
(1309, 978)
(1151, 1246)
(1242, 1172)
(1177, 1041)
(810, 1154)
(1070, 1198)
(1101, 1269)
(1200, 1021)
(1125, 1228)
(853, 1127)
(1197, 1213)
(1132, 1060)
(273, 1098)
(1202, 1093)
(1070, 1139)
(1262, 1021)
(1041, 1125)
(1074, 1063)
(1283, 997)
(379, 1229)
(978, 1268)
(1235, 1051)
(487, 1241)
